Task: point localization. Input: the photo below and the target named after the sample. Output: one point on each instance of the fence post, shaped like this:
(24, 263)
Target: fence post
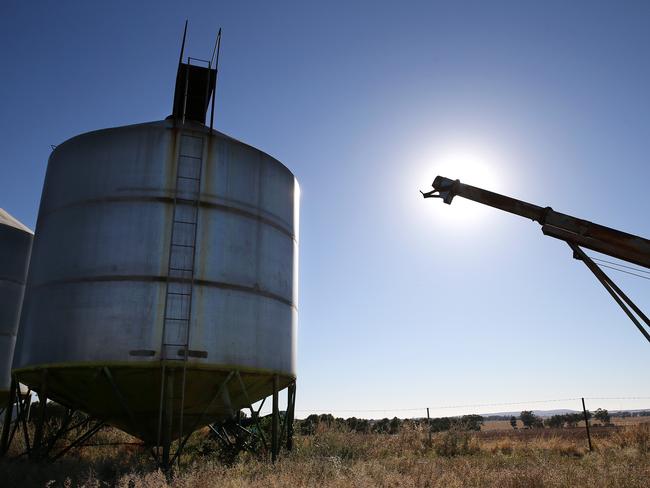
(429, 426)
(584, 411)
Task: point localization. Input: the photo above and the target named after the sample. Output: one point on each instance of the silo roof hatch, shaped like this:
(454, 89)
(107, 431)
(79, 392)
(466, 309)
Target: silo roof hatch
(194, 89)
(195, 85)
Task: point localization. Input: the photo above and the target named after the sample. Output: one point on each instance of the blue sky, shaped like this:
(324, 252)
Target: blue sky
(404, 302)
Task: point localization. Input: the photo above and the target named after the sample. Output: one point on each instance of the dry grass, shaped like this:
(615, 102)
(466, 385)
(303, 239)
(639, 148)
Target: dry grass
(630, 420)
(619, 421)
(335, 458)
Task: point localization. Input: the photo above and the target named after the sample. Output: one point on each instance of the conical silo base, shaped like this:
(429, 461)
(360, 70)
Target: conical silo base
(129, 397)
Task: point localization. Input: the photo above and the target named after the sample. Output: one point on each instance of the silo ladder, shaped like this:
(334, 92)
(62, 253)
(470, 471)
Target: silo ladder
(180, 282)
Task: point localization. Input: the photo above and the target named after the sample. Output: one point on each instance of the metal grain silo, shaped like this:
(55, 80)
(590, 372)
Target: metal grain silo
(15, 248)
(162, 292)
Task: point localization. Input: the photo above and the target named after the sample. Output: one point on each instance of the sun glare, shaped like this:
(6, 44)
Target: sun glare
(466, 165)
(471, 165)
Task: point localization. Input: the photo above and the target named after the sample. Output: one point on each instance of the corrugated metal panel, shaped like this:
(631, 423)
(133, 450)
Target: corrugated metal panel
(98, 279)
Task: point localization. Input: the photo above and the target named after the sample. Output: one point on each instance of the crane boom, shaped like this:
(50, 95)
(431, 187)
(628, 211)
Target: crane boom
(599, 238)
(577, 233)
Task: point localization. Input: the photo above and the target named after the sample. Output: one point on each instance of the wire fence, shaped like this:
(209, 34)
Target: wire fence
(570, 401)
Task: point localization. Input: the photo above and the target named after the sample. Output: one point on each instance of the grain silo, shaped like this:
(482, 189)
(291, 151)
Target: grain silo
(162, 291)
(15, 248)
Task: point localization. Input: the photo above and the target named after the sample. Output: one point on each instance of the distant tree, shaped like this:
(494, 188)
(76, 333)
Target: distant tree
(308, 426)
(361, 426)
(469, 422)
(602, 415)
(351, 423)
(326, 418)
(528, 418)
(572, 419)
(466, 422)
(381, 426)
(555, 422)
(440, 424)
(394, 425)
(513, 422)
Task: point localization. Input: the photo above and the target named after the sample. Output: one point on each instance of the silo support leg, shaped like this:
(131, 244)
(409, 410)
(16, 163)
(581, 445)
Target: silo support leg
(9, 410)
(169, 419)
(161, 407)
(275, 420)
(24, 408)
(284, 425)
(40, 422)
(255, 415)
(287, 424)
(222, 390)
(291, 409)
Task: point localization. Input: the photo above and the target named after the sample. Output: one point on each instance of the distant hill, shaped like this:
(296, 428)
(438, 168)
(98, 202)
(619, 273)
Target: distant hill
(539, 413)
(559, 411)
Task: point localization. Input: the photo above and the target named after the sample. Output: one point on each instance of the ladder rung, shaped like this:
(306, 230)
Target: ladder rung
(184, 199)
(188, 201)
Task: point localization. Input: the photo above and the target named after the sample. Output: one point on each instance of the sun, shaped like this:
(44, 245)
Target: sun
(471, 164)
(468, 165)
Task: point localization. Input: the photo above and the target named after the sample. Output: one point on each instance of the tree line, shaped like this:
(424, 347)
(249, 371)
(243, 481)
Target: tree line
(532, 421)
(309, 425)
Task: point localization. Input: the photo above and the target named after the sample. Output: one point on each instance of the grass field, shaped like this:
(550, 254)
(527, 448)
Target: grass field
(335, 458)
(619, 421)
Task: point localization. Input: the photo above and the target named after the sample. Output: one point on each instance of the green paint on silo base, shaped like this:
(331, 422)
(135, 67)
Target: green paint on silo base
(85, 387)
(4, 398)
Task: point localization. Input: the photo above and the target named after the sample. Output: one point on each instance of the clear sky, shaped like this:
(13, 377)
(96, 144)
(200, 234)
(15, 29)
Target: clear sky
(404, 302)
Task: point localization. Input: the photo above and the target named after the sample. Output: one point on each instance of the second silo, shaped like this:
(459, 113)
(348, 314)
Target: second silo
(164, 270)
(15, 249)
